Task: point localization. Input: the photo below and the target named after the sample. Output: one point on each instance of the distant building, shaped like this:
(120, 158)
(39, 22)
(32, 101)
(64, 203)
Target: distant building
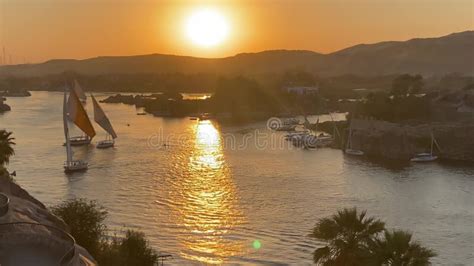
(301, 90)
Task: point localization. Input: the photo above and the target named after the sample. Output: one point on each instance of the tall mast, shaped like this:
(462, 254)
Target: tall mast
(349, 143)
(66, 130)
(432, 140)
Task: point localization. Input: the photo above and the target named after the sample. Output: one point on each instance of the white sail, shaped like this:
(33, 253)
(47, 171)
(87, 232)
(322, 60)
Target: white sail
(79, 91)
(66, 130)
(101, 119)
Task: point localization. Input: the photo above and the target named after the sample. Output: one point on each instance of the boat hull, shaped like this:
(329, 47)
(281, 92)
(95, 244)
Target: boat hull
(104, 144)
(79, 141)
(75, 166)
(424, 159)
(354, 152)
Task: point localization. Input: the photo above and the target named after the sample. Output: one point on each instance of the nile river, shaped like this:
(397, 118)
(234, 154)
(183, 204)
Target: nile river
(212, 191)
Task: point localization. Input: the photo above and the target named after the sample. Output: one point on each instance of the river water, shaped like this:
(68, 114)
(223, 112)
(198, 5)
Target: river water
(209, 194)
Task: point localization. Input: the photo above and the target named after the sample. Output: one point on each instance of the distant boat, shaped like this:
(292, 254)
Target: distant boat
(80, 92)
(73, 110)
(101, 119)
(74, 103)
(349, 150)
(426, 157)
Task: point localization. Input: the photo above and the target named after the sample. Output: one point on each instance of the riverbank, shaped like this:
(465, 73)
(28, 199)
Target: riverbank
(397, 141)
(15, 93)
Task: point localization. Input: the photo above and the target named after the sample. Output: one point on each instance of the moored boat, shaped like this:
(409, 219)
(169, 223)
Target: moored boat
(426, 157)
(349, 150)
(354, 152)
(103, 121)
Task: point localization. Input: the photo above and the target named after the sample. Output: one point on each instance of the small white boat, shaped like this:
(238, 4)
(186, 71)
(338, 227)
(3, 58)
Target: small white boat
(426, 157)
(349, 150)
(103, 121)
(104, 144)
(354, 152)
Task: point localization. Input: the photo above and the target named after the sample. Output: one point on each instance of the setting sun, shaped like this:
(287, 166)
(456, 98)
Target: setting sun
(207, 27)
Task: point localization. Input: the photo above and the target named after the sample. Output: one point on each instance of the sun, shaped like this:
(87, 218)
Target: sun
(207, 27)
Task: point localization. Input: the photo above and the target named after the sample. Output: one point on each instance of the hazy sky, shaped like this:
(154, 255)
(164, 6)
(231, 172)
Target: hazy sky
(37, 30)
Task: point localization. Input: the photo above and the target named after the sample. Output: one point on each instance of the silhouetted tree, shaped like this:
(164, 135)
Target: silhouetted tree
(407, 84)
(398, 249)
(348, 235)
(6, 147)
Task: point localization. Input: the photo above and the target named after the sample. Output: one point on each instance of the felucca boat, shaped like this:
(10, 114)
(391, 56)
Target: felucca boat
(101, 119)
(74, 111)
(427, 157)
(83, 139)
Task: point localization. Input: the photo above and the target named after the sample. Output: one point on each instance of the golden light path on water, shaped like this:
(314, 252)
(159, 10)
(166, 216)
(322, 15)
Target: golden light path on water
(209, 207)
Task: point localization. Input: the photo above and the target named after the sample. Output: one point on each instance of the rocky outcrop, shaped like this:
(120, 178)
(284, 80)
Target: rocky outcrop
(119, 98)
(23, 208)
(402, 141)
(3, 106)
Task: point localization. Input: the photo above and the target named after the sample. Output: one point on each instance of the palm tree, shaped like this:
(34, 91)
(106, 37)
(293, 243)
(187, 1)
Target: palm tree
(348, 235)
(397, 249)
(6, 147)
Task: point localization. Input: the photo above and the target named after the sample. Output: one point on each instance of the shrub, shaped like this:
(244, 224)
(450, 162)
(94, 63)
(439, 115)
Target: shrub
(86, 222)
(133, 249)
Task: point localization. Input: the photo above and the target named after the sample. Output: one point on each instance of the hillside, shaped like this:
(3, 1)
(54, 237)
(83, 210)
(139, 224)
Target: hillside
(431, 56)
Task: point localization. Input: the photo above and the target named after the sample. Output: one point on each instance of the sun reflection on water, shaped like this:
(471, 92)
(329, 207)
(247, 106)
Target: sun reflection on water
(209, 209)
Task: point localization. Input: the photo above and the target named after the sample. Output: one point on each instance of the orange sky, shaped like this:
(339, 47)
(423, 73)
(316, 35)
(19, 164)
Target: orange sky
(37, 30)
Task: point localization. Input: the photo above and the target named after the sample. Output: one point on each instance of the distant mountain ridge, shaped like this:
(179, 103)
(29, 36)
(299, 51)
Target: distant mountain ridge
(429, 56)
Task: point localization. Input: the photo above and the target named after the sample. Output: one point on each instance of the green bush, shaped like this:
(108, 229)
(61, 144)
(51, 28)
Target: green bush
(133, 249)
(86, 222)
